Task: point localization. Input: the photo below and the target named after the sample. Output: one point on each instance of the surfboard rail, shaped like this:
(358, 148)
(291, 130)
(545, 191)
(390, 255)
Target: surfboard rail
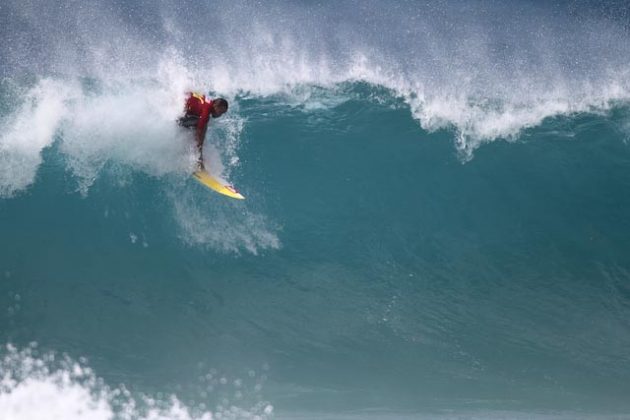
(207, 179)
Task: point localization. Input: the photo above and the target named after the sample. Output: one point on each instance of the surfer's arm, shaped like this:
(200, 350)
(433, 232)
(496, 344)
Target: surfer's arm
(202, 127)
(200, 136)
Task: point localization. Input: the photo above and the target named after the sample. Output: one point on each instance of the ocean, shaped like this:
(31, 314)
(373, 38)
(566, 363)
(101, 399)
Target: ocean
(436, 223)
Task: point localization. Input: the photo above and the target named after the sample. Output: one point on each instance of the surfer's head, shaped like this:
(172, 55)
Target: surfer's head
(219, 107)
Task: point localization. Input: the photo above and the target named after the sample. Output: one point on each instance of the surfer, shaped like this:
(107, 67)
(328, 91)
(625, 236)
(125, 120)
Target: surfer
(197, 113)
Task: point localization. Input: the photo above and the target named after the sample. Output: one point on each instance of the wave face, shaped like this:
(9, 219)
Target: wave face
(436, 222)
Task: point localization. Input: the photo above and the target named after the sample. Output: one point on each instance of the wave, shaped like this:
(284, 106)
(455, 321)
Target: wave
(435, 214)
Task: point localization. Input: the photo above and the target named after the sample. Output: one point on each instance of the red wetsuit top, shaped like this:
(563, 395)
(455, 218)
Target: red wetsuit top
(197, 105)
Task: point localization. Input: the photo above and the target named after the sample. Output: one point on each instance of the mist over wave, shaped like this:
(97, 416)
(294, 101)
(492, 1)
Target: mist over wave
(484, 69)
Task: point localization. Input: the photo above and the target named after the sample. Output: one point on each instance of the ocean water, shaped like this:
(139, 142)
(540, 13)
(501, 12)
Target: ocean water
(437, 219)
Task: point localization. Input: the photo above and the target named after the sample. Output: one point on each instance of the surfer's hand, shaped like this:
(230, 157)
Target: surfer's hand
(200, 165)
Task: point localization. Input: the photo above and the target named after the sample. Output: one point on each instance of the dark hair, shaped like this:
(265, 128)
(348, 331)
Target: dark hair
(220, 103)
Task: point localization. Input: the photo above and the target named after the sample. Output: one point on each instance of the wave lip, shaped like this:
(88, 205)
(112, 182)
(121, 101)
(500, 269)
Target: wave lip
(479, 120)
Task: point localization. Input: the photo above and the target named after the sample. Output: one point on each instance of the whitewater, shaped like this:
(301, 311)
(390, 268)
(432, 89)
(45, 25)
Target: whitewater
(436, 223)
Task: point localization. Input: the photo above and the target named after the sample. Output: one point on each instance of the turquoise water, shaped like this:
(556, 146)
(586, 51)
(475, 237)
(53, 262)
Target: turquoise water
(436, 222)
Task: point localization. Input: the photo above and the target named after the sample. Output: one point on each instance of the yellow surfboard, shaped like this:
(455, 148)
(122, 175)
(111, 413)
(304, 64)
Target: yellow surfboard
(216, 184)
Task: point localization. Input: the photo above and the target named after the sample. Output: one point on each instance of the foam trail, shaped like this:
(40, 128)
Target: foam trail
(222, 226)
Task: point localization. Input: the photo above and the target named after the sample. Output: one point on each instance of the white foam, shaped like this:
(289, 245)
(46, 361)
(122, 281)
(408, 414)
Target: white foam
(119, 119)
(128, 123)
(26, 132)
(51, 387)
